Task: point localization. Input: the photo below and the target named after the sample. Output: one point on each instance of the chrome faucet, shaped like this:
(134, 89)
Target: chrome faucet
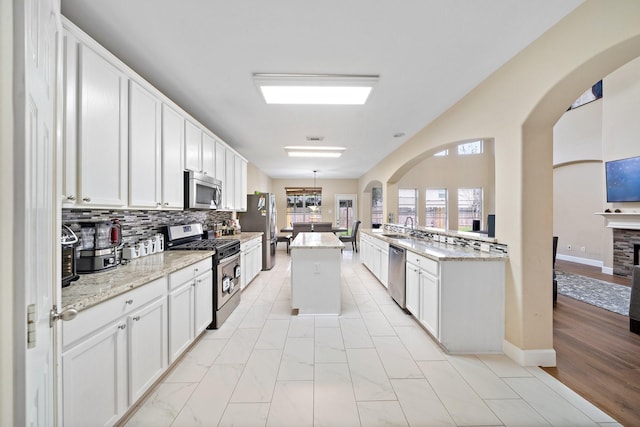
(407, 220)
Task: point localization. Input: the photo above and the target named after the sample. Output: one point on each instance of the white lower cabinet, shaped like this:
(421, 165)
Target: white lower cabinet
(113, 352)
(375, 254)
(429, 303)
(108, 356)
(94, 376)
(190, 305)
(250, 260)
(412, 294)
(147, 350)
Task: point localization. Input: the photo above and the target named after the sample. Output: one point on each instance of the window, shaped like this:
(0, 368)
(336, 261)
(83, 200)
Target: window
(376, 206)
(468, 148)
(441, 153)
(469, 207)
(407, 202)
(436, 207)
(304, 204)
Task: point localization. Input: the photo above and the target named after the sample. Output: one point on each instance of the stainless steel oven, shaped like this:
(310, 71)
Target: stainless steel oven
(227, 288)
(225, 263)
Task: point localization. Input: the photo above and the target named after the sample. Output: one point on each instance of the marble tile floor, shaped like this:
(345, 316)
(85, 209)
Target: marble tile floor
(371, 366)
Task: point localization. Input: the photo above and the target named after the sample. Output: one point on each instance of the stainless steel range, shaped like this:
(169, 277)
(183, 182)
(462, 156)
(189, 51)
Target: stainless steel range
(225, 263)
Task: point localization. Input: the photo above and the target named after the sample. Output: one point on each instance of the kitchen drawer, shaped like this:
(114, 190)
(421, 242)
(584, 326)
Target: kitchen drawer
(182, 276)
(426, 264)
(96, 317)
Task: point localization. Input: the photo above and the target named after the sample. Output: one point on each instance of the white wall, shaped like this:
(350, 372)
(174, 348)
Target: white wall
(585, 138)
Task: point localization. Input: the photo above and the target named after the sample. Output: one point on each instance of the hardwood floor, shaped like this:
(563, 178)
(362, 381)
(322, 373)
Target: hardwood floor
(597, 355)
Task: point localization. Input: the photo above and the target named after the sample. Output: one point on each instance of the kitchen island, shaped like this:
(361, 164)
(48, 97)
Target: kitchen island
(315, 273)
(453, 283)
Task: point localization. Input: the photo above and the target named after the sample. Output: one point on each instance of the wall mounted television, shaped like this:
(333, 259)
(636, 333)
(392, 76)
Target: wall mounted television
(623, 180)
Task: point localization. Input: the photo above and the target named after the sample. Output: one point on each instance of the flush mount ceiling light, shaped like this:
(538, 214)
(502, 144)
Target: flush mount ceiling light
(318, 89)
(311, 151)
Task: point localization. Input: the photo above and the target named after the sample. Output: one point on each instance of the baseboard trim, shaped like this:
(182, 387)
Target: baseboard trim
(539, 357)
(607, 270)
(578, 260)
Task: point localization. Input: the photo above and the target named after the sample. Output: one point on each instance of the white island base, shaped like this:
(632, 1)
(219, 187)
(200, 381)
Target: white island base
(315, 273)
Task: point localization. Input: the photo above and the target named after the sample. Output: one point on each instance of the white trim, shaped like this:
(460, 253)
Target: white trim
(607, 270)
(585, 261)
(537, 357)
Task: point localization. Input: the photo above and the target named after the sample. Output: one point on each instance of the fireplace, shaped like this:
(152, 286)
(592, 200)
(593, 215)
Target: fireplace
(626, 251)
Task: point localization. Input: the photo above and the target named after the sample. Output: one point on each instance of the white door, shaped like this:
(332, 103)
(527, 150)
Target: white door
(36, 233)
(346, 212)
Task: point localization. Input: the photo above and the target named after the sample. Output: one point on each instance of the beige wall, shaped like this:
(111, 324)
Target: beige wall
(517, 106)
(453, 172)
(330, 187)
(257, 180)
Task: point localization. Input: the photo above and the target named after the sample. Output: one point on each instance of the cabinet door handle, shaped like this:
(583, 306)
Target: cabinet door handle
(166, 203)
(129, 301)
(71, 197)
(136, 318)
(86, 199)
(122, 327)
(158, 204)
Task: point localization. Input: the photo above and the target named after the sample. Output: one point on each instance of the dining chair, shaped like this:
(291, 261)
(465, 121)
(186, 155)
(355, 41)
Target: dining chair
(353, 237)
(299, 227)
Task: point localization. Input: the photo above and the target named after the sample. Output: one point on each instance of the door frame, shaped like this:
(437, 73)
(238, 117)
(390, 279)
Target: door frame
(354, 198)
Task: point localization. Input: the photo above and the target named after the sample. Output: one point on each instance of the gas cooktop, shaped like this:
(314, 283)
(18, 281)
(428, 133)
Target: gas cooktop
(189, 238)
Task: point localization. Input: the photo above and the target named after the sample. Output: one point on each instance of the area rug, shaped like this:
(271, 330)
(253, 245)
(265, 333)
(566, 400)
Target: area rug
(609, 296)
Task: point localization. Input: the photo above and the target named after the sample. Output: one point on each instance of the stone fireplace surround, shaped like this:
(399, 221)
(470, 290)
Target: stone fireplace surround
(626, 244)
(626, 240)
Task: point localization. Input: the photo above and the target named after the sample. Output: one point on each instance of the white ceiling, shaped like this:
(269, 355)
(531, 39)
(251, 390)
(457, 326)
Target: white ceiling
(428, 53)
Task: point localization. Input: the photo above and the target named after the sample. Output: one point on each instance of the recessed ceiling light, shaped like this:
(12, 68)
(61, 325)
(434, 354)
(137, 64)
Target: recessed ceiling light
(318, 89)
(310, 151)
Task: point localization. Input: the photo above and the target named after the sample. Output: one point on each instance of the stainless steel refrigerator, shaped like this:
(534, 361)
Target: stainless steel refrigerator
(261, 215)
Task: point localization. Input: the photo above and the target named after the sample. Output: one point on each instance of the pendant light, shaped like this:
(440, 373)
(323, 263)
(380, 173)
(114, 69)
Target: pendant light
(315, 206)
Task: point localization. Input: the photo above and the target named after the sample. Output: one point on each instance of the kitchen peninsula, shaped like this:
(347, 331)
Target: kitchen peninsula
(315, 273)
(455, 283)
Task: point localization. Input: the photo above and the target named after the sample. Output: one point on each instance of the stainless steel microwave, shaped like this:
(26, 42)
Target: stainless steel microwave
(201, 191)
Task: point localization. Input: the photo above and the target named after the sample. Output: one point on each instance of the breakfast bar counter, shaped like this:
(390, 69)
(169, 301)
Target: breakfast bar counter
(315, 273)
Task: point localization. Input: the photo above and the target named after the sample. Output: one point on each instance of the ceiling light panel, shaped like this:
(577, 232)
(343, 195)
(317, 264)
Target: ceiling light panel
(311, 151)
(315, 89)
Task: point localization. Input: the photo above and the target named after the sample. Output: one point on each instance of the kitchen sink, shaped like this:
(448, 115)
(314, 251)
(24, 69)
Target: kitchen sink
(397, 236)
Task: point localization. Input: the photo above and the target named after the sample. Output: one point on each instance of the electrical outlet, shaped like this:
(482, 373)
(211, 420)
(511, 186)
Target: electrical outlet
(485, 247)
(583, 249)
(568, 247)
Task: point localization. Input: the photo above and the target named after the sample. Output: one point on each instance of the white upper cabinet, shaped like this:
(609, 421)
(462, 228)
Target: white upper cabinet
(208, 154)
(102, 131)
(228, 190)
(144, 148)
(192, 147)
(172, 157)
(125, 144)
(70, 136)
(221, 149)
(240, 184)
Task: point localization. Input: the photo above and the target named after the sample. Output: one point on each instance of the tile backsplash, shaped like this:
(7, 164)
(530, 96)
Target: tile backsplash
(140, 225)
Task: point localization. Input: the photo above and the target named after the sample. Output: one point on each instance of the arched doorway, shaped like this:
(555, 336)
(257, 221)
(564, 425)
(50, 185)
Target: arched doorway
(517, 107)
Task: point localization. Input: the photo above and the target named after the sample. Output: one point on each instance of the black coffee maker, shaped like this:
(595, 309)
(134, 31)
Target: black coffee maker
(99, 241)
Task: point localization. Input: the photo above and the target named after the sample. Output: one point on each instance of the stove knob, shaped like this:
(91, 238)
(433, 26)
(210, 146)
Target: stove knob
(232, 286)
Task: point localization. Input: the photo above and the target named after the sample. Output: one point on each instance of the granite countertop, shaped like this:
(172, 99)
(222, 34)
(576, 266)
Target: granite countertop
(92, 289)
(435, 250)
(244, 236)
(316, 240)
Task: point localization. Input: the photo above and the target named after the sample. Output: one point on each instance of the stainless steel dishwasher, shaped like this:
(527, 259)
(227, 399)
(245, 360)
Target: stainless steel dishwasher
(397, 275)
